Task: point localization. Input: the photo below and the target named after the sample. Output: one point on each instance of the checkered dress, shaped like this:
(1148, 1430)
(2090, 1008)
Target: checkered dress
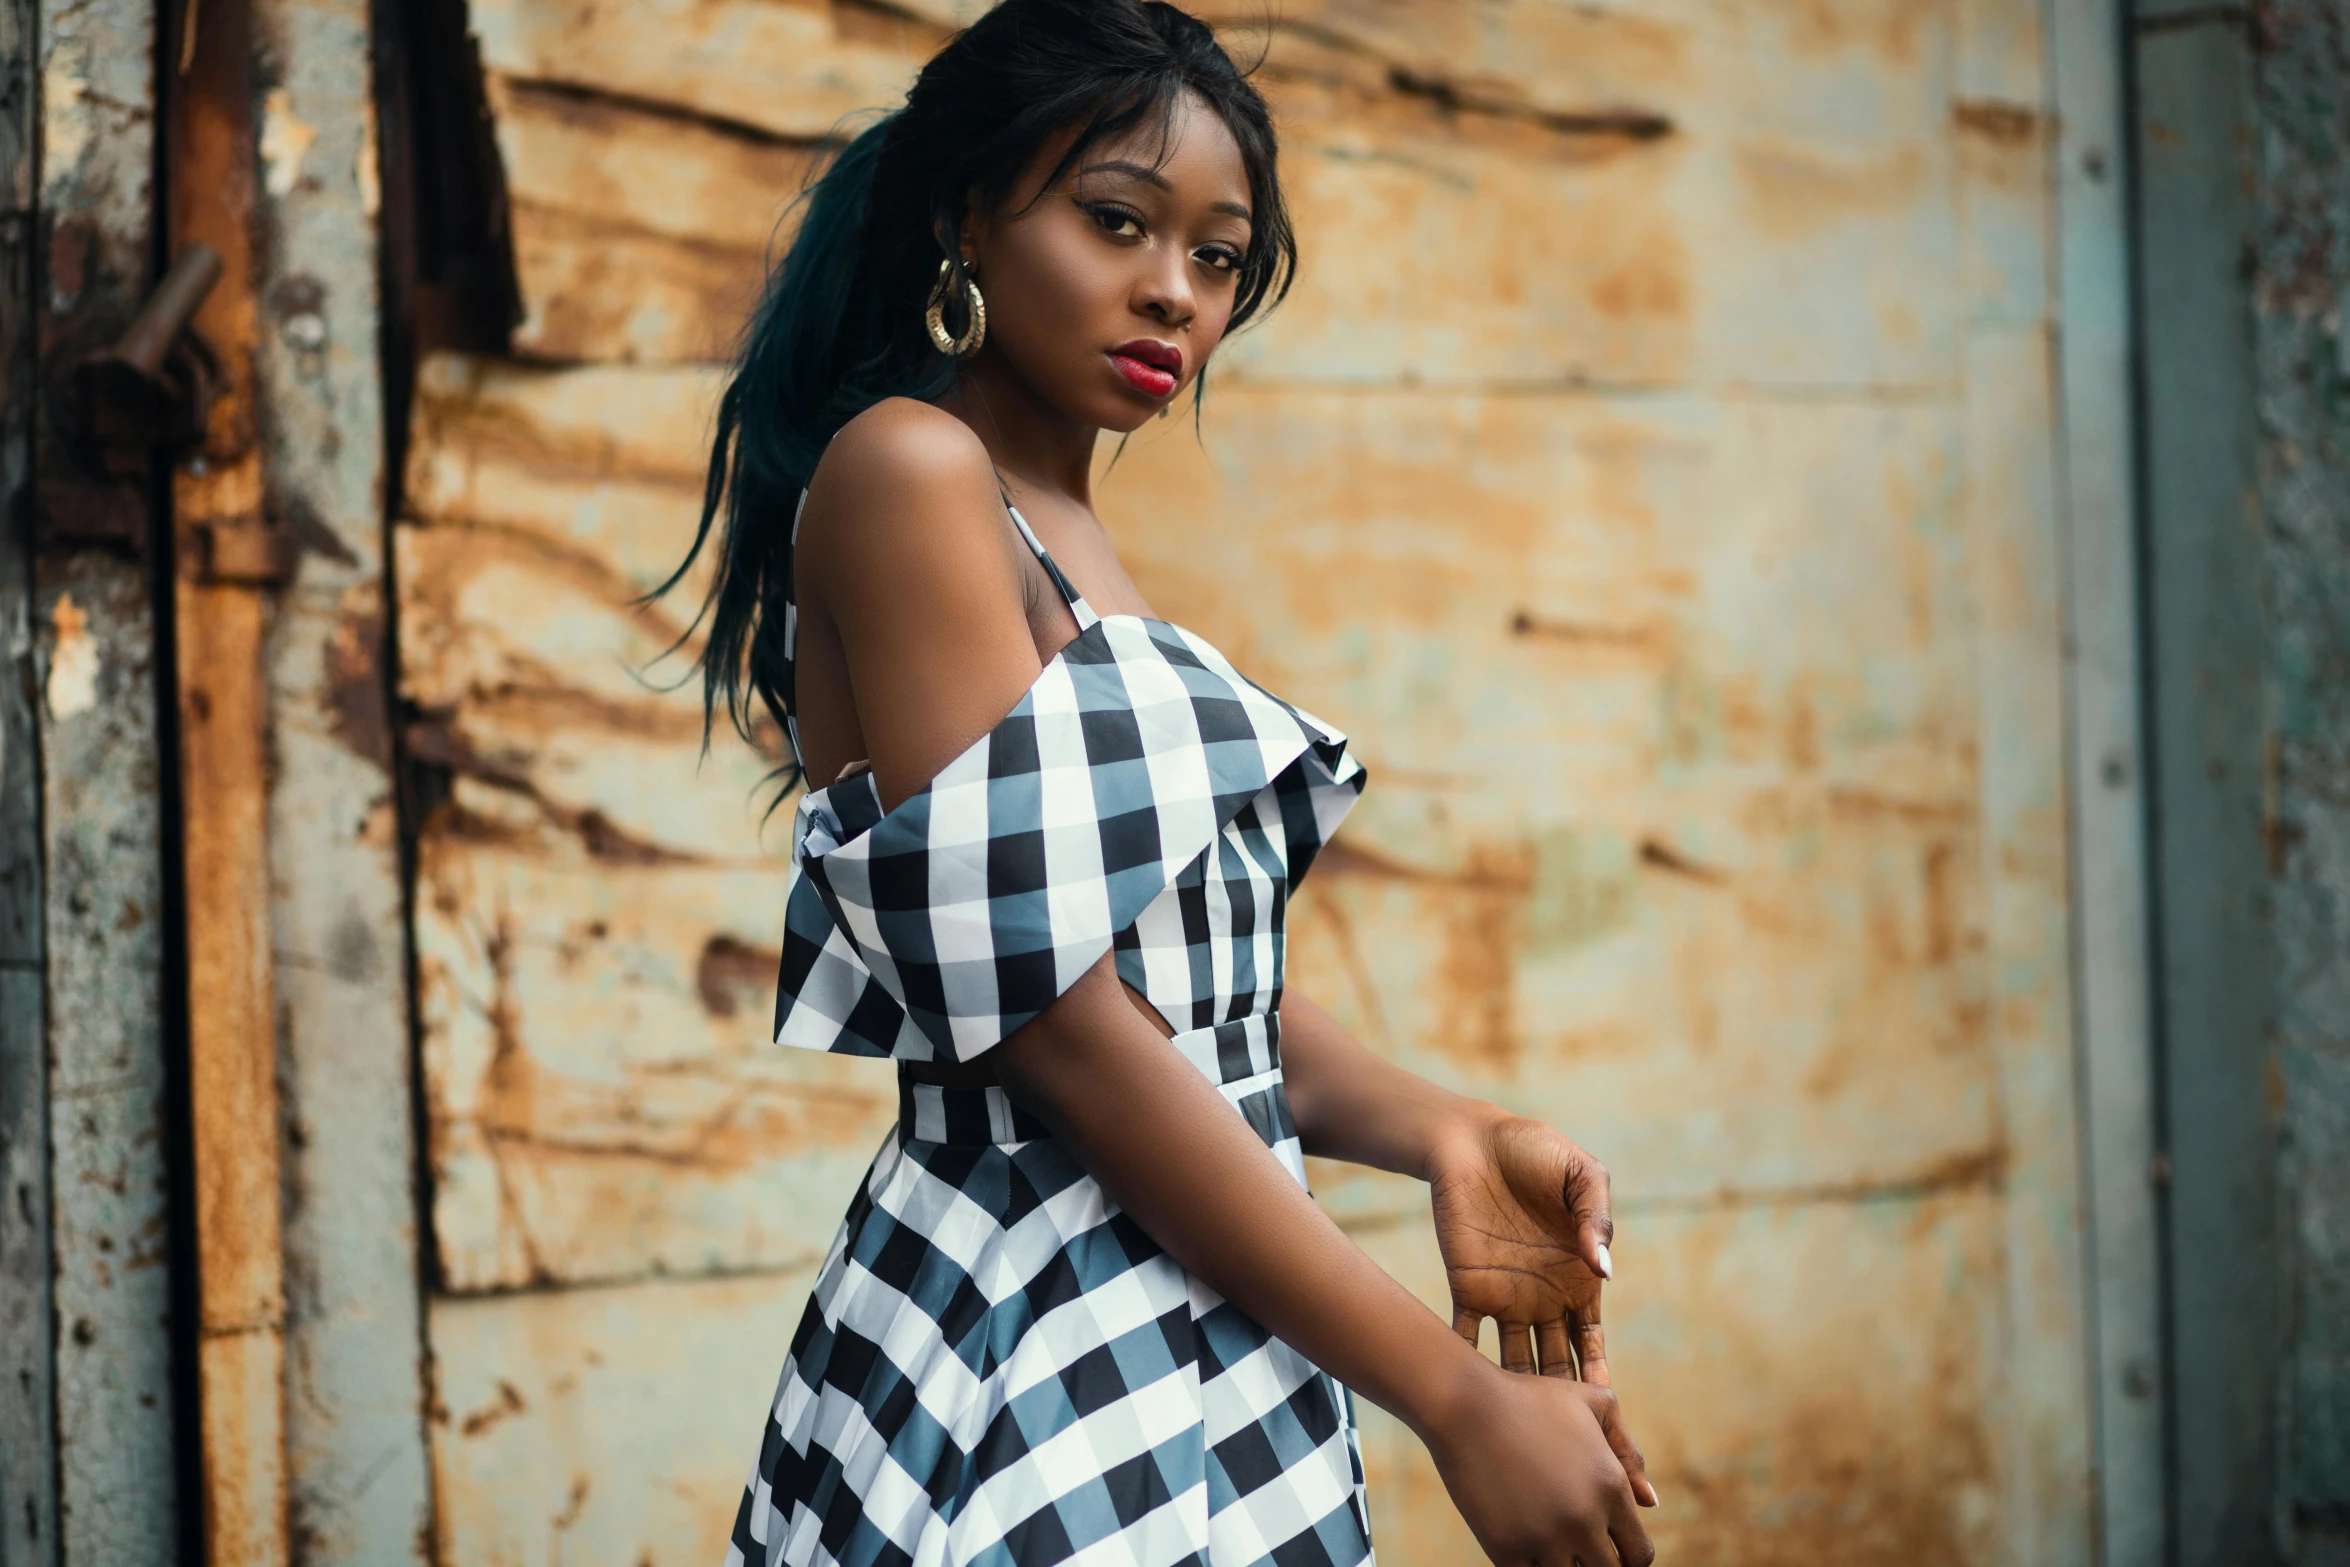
(997, 1366)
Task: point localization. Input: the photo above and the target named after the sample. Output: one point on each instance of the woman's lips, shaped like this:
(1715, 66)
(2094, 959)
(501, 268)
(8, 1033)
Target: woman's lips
(1156, 379)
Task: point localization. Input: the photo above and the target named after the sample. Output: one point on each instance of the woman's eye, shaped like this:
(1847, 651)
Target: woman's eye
(1222, 257)
(1118, 221)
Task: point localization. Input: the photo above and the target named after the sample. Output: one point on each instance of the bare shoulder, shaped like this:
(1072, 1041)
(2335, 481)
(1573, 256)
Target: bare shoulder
(901, 474)
(915, 575)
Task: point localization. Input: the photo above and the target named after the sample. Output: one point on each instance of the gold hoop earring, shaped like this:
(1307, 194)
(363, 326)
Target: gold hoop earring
(935, 317)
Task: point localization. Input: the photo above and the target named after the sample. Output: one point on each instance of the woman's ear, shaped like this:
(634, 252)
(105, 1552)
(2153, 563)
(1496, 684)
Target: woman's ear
(974, 231)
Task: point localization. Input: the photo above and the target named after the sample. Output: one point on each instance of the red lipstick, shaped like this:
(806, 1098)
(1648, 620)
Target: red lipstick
(1149, 365)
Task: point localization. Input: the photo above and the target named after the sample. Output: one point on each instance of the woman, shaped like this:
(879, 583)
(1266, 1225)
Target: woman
(1081, 1309)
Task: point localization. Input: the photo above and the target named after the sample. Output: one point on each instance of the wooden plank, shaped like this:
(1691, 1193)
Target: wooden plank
(596, 902)
(359, 1484)
(94, 616)
(2005, 119)
(604, 1099)
(224, 797)
(2217, 207)
(1639, 202)
(638, 235)
(2004, 123)
(2097, 519)
(604, 464)
(533, 676)
(1641, 195)
(2011, 507)
(605, 1427)
(108, 1083)
(28, 1372)
(788, 69)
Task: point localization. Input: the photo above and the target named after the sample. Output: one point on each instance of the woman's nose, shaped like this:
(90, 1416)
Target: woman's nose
(1165, 293)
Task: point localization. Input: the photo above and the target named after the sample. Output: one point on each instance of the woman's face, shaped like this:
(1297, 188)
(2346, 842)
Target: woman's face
(1107, 292)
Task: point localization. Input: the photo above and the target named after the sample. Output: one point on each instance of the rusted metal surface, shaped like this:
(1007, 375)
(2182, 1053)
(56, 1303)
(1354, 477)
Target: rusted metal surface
(151, 386)
(28, 1384)
(560, 1435)
(224, 795)
(94, 621)
(595, 931)
(354, 1395)
(1656, 471)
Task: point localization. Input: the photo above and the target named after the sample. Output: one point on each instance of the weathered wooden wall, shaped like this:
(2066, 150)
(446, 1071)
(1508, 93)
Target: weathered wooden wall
(357, 1487)
(1656, 470)
(28, 1480)
(102, 759)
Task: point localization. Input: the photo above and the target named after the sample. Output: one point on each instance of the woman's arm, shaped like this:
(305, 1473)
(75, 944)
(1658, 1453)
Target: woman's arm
(1542, 1470)
(903, 563)
(1353, 1105)
(1521, 1212)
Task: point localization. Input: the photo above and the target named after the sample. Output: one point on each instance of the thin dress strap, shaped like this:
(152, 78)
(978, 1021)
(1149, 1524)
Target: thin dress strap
(1077, 605)
(1086, 618)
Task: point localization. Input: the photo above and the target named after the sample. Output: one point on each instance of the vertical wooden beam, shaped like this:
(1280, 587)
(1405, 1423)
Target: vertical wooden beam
(2199, 145)
(359, 1484)
(219, 630)
(102, 806)
(2112, 987)
(28, 1390)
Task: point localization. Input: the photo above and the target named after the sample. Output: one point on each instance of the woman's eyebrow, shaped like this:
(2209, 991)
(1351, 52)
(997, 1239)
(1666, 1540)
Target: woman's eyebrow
(1151, 176)
(1148, 176)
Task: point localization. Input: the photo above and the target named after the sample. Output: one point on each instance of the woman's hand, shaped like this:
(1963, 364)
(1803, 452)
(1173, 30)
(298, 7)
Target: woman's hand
(1522, 1220)
(1542, 1470)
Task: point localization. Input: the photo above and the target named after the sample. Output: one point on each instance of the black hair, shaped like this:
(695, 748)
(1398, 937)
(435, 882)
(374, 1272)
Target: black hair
(839, 326)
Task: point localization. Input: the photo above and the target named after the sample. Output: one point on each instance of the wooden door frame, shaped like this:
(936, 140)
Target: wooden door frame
(2106, 786)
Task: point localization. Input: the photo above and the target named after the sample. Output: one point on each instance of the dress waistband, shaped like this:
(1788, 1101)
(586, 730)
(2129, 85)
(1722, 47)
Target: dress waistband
(1242, 1058)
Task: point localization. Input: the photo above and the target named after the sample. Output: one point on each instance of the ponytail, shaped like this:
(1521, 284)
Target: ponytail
(813, 357)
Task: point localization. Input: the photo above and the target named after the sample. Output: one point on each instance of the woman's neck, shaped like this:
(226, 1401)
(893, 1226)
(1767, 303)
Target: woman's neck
(1035, 446)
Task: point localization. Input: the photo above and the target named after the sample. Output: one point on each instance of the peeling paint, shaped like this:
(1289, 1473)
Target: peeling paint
(65, 124)
(285, 142)
(72, 686)
(366, 167)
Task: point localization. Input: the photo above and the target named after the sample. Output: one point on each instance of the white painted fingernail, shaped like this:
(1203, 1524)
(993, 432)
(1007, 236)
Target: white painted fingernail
(1607, 1264)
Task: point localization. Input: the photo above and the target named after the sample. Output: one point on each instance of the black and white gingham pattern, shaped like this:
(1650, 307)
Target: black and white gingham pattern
(997, 1366)
(936, 929)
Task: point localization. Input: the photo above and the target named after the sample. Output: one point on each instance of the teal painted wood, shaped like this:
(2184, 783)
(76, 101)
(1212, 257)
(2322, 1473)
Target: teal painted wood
(108, 1083)
(2111, 996)
(28, 1405)
(355, 1395)
(2203, 594)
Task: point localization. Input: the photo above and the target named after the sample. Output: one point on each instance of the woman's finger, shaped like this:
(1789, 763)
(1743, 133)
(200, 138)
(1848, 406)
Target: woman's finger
(1633, 1547)
(1588, 1210)
(1590, 1342)
(1466, 1323)
(1552, 1348)
(1619, 1440)
(1517, 1349)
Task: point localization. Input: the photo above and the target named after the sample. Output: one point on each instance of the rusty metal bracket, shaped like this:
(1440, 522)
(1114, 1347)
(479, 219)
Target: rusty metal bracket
(92, 514)
(155, 385)
(244, 550)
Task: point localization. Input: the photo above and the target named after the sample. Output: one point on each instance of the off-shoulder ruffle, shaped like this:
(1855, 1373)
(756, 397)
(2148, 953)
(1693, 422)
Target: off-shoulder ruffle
(934, 929)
